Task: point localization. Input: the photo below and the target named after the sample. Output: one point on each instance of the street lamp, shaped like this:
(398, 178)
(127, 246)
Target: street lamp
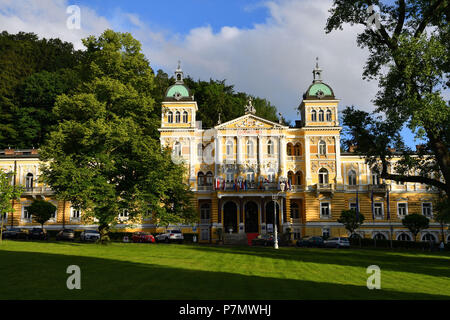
(275, 230)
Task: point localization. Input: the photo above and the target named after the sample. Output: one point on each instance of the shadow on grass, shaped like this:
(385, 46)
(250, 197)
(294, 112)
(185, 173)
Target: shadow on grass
(433, 265)
(29, 275)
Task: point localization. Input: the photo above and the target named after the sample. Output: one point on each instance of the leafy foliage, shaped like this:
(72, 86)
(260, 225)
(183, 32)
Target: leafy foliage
(41, 211)
(351, 220)
(415, 223)
(8, 193)
(409, 56)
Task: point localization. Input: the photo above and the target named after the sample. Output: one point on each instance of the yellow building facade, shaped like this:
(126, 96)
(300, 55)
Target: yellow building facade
(249, 173)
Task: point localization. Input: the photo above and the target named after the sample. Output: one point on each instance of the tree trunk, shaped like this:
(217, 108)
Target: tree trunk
(103, 229)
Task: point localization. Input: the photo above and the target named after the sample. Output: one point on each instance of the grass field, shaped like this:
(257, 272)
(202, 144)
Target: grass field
(37, 270)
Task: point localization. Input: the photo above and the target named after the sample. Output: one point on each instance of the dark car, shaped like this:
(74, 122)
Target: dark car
(310, 242)
(265, 240)
(15, 233)
(143, 237)
(37, 234)
(66, 234)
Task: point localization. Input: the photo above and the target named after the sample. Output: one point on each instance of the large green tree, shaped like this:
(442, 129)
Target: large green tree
(409, 56)
(8, 193)
(105, 154)
(351, 220)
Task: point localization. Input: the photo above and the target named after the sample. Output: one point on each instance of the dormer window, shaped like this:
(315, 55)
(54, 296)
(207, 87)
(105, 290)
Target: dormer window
(177, 117)
(170, 117)
(329, 115)
(185, 117)
(313, 115)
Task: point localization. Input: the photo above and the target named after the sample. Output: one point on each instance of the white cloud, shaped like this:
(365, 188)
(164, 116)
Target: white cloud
(47, 18)
(274, 59)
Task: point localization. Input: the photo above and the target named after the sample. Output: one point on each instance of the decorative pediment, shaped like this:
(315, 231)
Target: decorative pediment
(250, 121)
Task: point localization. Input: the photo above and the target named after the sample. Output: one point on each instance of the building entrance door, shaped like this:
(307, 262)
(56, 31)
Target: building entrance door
(251, 217)
(230, 217)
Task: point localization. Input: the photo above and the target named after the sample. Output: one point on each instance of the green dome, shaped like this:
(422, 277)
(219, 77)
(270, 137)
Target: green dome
(320, 87)
(177, 88)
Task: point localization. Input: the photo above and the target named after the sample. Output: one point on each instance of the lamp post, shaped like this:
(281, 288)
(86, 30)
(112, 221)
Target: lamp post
(275, 230)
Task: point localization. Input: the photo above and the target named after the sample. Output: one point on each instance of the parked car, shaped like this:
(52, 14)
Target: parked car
(310, 242)
(37, 234)
(265, 240)
(143, 237)
(15, 233)
(170, 236)
(338, 242)
(66, 234)
(90, 235)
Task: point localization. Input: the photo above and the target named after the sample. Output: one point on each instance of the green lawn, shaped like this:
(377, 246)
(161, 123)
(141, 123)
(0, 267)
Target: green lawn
(37, 270)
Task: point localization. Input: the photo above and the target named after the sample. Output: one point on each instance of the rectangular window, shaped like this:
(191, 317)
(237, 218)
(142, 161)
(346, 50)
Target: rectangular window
(325, 209)
(427, 209)
(402, 209)
(26, 215)
(353, 206)
(326, 233)
(378, 209)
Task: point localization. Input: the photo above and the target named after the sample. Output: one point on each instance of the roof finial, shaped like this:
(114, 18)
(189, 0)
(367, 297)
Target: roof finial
(179, 74)
(249, 108)
(219, 121)
(317, 72)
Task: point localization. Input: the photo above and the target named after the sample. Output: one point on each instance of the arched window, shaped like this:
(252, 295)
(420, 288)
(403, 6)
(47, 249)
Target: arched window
(297, 149)
(322, 148)
(379, 236)
(200, 179)
(209, 178)
(205, 211)
(289, 149)
(185, 117)
(404, 237)
(298, 178)
(270, 147)
(249, 148)
(177, 117)
(323, 176)
(291, 178)
(29, 181)
(295, 211)
(200, 151)
(329, 115)
(321, 118)
(170, 117)
(352, 178)
(271, 175)
(229, 148)
(177, 149)
(428, 237)
(313, 115)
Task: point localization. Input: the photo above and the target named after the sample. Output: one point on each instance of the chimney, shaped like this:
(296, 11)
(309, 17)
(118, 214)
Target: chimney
(419, 147)
(34, 151)
(392, 150)
(352, 148)
(9, 151)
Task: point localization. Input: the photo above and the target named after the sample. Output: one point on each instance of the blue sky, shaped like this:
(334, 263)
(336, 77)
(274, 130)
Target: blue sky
(265, 48)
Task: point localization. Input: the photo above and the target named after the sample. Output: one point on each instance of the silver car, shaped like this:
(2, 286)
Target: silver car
(338, 242)
(170, 236)
(90, 235)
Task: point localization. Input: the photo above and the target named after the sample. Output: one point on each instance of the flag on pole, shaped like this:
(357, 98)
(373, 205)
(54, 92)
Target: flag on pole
(357, 206)
(373, 209)
(387, 207)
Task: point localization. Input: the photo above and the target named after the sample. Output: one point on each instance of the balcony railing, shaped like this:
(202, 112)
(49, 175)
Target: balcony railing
(324, 188)
(37, 191)
(378, 188)
(205, 188)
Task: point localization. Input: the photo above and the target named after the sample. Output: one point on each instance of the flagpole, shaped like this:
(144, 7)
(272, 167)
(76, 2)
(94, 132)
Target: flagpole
(389, 214)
